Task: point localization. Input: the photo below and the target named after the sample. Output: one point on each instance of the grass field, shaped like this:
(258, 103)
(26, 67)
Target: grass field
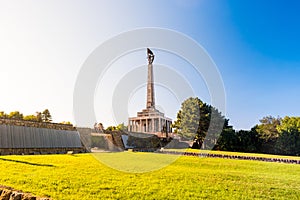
(82, 176)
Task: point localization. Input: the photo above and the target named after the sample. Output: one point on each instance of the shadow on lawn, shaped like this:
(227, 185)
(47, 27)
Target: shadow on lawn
(27, 163)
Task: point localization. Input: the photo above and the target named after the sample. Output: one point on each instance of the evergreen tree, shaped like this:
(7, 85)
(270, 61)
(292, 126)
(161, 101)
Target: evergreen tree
(46, 116)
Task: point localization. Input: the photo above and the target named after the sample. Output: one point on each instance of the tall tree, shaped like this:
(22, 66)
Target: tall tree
(289, 124)
(288, 142)
(195, 118)
(46, 116)
(248, 141)
(177, 124)
(228, 140)
(39, 117)
(268, 133)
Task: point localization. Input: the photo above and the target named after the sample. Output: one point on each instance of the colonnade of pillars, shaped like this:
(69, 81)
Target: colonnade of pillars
(149, 125)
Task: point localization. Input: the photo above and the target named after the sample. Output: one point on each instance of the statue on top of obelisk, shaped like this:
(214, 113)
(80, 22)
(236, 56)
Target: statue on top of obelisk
(150, 56)
(150, 85)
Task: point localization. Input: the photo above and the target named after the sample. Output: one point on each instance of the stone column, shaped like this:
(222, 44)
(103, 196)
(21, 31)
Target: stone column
(134, 126)
(168, 128)
(159, 124)
(140, 126)
(128, 128)
(153, 125)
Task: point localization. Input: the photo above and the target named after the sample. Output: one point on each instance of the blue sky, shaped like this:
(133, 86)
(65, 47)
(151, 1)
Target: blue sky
(255, 45)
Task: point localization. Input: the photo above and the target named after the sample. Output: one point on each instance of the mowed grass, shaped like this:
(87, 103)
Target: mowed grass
(82, 176)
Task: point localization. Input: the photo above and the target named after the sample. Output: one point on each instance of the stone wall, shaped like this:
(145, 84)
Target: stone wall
(104, 142)
(143, 141)
(48, 125)
(117, 138)
(238, 157)
(85, 137)
(109, 140)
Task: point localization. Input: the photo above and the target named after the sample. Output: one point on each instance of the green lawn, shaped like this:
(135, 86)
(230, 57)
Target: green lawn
(82, 176)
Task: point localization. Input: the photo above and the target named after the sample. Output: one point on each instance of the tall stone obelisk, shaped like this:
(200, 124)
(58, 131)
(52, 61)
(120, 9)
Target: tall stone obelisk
(150, 82)
(150, 120)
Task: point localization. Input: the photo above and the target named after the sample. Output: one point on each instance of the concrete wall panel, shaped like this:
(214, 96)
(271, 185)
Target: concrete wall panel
(30, 137)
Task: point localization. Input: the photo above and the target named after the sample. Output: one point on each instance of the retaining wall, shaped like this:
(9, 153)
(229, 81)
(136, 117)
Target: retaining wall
(31, 140)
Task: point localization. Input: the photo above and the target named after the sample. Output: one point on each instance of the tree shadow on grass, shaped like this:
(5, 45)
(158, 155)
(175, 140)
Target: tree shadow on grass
(27, 163)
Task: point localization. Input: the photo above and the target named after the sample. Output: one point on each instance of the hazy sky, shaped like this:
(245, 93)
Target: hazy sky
(254, 44)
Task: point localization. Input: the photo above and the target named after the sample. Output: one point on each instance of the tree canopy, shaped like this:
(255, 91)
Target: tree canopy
(15, 115)
(119, 127)
(200, 122)
(46, 116)
(43, 116)
(272, 135)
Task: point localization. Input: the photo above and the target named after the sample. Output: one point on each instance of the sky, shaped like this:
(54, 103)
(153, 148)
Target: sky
(254, 44)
